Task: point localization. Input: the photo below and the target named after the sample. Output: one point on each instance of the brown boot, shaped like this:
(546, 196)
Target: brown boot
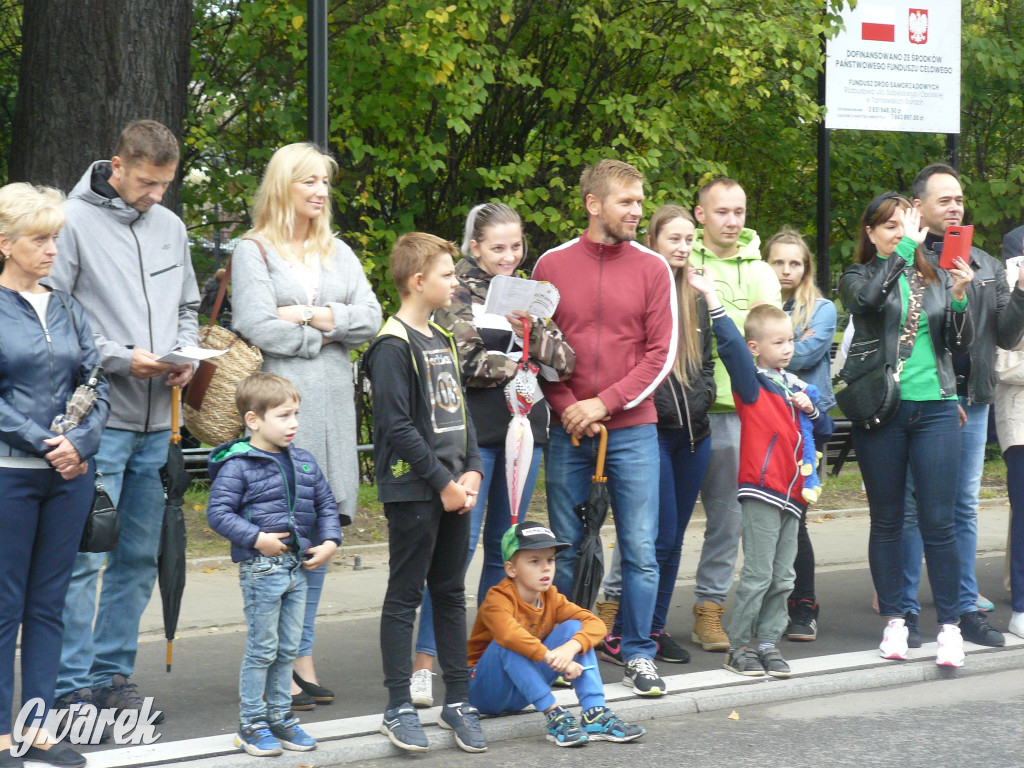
(606, 611)
(707, 626)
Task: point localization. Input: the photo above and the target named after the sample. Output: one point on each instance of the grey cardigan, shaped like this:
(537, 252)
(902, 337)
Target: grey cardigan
(322, 373)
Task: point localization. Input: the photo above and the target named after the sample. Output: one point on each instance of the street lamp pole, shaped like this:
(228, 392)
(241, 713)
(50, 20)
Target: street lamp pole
(316, 84)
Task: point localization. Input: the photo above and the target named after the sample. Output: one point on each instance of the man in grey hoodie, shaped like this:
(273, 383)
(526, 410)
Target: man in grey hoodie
(126, 259)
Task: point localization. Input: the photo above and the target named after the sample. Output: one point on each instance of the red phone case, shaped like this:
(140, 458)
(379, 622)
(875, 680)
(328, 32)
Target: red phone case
(956, 244)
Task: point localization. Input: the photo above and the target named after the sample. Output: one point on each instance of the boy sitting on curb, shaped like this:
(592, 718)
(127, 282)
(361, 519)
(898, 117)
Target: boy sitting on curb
(526, 634)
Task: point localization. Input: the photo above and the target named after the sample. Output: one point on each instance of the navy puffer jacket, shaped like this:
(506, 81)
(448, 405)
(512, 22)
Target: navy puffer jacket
(249, 494)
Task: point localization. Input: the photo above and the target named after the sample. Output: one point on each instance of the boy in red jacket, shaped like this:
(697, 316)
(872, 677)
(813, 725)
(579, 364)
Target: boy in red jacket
(768, 400)
(526, 634)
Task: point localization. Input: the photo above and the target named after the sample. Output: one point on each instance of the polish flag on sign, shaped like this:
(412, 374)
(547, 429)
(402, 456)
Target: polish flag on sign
(877, 22)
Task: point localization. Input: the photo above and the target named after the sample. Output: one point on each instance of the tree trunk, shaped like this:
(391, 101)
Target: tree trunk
(88, 68)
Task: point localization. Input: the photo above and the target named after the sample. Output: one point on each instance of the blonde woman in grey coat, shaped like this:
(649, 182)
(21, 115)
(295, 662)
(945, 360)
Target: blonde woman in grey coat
(307, 305)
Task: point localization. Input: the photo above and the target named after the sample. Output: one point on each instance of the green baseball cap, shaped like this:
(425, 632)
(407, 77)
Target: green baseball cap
(529, 535)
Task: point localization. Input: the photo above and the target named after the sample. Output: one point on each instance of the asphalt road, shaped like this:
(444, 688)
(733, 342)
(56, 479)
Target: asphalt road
(969, 721)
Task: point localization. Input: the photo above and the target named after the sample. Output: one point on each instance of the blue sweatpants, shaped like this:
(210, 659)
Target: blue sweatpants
(505, 681)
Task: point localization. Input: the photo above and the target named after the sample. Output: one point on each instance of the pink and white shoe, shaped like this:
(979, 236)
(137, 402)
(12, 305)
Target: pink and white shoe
(951, 647)
(894, 640)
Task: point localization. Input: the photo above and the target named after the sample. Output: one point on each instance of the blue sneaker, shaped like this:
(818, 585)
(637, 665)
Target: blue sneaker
(464, 719)
(605, 725)
(256, 739)
(291, 736)
(563, 729)
(402, 726)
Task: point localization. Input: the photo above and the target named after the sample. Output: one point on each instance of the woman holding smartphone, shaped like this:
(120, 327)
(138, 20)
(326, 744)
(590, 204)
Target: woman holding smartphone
(896, 296)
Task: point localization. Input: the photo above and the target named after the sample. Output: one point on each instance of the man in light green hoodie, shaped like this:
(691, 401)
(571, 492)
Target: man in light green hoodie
(730, 255)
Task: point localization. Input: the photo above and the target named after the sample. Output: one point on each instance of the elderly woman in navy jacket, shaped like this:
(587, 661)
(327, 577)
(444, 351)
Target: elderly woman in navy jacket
(46, 480)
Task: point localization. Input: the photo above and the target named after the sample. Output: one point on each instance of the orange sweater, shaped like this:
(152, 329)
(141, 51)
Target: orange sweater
(507, 620)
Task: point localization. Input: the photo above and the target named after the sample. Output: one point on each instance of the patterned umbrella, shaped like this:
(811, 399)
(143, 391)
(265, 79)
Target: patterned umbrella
(78, 407)
(520, 394)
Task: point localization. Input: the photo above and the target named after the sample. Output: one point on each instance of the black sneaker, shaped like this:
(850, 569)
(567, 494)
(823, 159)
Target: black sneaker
(974, 628)
(302, 702)
(773, 663)
(611, 650)
(803, 621)
(60, 755)
(82, 714)
(402, 726)
(122, 695)
(744, 661)
(668, 649)
(642, 677)
(464, 720)
(913, 633)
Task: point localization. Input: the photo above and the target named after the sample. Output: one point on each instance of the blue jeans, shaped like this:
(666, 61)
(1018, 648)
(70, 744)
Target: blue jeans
(924, 437)
(41, 517)
(505, 681)
(973, 436)
(493, 497)
(314, 587)
(632, 469)
(1014, 456)
(682, 471)
(274, 600)
(130, 464)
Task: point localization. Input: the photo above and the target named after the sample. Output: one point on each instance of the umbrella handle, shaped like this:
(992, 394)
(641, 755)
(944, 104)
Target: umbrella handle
(526, 339)
(176, 415)
(602, 451)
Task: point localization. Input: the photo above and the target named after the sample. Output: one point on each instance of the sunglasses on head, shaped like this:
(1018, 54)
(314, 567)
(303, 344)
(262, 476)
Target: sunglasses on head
(875, 204)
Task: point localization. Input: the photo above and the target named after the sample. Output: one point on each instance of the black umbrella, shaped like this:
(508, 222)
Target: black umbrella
(589, 567)
(171, 564)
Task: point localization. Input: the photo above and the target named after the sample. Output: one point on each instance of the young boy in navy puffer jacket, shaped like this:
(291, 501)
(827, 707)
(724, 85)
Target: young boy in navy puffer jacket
(272, 502)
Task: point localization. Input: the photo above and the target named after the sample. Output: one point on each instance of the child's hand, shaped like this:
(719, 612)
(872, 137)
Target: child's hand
(561, 657)
(321, 554)
(803, 402)
(272, 544)
(574, 670)
(454, 497)
(703, 284)
(471, 482)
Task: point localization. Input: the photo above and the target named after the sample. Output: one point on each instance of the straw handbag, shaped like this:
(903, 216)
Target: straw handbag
(210, 412)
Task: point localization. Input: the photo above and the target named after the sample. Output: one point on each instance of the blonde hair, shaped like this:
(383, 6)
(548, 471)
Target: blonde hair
(415, 252)
(806, 294)
(29, 210)
(484, 216)
(260, 391)
(596, 179)
(274, 209)
(689, 356)
(759, 318)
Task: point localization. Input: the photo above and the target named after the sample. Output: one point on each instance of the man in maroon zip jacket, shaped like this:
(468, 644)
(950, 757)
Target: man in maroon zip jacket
(618, 312)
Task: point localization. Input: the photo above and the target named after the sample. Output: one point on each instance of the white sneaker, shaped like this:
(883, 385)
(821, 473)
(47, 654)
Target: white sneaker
(1016, 624)
(894, 640)
(421, 687)
(951, 647)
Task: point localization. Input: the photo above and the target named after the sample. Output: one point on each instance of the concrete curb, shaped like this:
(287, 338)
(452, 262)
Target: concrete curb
(352, 740)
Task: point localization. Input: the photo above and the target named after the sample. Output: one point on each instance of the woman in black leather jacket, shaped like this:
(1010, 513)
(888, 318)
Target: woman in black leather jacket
(684, 433)
(46, 480)
(892, 277)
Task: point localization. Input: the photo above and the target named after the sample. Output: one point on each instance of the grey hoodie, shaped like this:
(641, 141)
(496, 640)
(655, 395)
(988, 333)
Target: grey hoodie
(133, 274)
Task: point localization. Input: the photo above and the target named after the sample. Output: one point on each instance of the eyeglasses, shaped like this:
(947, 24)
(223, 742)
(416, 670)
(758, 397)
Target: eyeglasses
(875, 204)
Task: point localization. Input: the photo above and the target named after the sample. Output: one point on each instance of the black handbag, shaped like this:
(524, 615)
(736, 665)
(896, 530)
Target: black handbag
(870, 401)
(103, 526)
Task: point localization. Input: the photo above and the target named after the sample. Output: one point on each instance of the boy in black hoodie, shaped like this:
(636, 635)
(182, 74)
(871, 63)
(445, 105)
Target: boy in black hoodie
(428, 471)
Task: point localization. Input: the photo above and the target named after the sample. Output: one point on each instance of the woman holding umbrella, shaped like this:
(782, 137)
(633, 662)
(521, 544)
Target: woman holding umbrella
(490, 350)
(301, 296)
(46, 479)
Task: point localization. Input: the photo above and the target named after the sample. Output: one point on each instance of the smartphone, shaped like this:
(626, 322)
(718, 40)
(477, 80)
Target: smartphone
(956, 245)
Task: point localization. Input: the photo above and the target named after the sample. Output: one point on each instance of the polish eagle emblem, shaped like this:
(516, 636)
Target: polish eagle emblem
(917, 25)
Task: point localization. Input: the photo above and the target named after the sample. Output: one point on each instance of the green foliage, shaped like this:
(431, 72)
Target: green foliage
(10, 53)
(435, 108)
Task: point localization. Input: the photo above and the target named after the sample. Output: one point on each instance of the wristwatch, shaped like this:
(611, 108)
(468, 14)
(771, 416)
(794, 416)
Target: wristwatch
(307, 315)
